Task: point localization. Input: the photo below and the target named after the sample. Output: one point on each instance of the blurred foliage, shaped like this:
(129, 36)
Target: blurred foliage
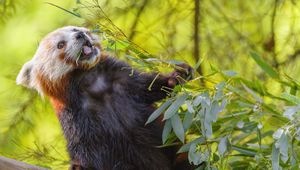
(241, 112)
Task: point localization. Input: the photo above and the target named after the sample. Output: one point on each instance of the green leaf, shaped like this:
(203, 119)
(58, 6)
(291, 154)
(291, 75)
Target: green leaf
(175, 106)
(275, 158)
(166, 131)
(220, 86)
(222, 147)
(283, 147)
(290, 98)
(289, 112)
(203, 98)
(230, 73)
(198, 63)
(207, 128)
(278, 133)
(68, 11)
(256, 97)
(187, 146)
(158, 111)
(187, 121)
(121, 44)
(246, 151)
(215, 108)
(173, 62)
(190, 106)
(265, 66)
(178, 127)
(194, 155)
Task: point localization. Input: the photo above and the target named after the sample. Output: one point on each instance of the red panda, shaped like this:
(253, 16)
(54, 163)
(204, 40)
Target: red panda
(102, 106)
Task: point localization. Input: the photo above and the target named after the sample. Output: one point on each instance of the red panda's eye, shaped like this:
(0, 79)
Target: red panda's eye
(61, 44)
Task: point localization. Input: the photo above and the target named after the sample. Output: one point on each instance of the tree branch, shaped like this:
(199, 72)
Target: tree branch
(11, 164)
(135, 22)
(272, 41)
(197, 35)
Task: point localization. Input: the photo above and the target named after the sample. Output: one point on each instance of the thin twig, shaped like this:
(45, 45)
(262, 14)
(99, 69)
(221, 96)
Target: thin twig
(239, 34)
(196, 35)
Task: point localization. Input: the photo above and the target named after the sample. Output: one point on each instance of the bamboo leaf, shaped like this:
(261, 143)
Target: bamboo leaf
(275, 158)
(278, 133)
(190, 106)
(158, 111)
(283, 147)
(178, 127)
(187, 121)
(68, 11)
(230, 73)
(265, 66)
(290, 98)
(222, 147)
(186, 147)
(244, 150)
(175, 106)
(289, 112)
(207, 128)
(194, 155)
(256, 97)
(166, 131)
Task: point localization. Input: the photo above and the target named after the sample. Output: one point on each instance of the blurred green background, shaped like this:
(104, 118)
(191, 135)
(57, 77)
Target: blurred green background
(29, 129)
(228, 31)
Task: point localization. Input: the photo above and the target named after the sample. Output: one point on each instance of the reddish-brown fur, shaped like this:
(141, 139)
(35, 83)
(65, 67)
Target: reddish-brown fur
(58, 106)
(55, 90)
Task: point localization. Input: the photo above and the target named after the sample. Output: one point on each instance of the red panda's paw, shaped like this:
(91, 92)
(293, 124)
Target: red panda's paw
(182, 73)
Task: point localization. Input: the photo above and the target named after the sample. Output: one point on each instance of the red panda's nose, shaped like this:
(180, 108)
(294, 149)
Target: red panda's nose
(80, 35)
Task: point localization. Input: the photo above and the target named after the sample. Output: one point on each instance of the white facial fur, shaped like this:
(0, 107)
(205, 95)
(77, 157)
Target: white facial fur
(53, 62)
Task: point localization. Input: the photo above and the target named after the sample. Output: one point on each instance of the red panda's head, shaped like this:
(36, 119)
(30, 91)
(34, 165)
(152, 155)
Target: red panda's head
(60, 52)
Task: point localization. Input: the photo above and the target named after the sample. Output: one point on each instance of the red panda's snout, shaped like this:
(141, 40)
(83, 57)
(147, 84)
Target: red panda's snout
(82, 48)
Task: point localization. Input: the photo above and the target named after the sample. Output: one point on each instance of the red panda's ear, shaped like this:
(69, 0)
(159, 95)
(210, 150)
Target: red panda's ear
(24, 77)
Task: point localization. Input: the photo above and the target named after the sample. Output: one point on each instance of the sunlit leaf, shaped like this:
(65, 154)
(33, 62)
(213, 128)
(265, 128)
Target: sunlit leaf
(256, 97)
(278, 134)
(291, 98)
(68, 11)
(290, 111)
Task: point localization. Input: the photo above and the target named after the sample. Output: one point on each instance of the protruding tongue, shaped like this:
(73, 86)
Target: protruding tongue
(87, 50)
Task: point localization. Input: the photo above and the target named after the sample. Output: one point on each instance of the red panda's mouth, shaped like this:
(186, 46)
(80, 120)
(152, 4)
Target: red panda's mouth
(87, 51)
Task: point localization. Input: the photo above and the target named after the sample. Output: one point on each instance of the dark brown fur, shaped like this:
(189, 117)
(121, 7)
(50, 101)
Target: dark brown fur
(103, 113)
